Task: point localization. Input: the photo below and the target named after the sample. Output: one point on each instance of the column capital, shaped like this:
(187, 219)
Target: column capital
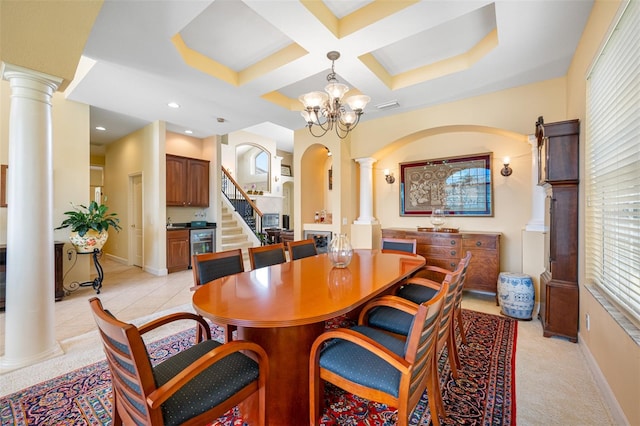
(10, 71)
(366, 161)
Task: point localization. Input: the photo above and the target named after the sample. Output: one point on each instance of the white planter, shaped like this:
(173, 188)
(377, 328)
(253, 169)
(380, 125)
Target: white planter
(91, 241)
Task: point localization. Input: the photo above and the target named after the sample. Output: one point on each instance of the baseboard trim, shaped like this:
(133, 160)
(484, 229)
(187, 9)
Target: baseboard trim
(118, 259)
(617, 415)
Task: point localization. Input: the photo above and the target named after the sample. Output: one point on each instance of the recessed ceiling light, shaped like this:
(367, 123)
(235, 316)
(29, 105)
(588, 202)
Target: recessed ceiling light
(189, 132)
(173, 105)
(102, 129)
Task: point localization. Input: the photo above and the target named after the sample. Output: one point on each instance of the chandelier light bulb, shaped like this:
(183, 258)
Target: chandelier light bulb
(336, 90)
(357, 102)
(314, 99)
(349, 118)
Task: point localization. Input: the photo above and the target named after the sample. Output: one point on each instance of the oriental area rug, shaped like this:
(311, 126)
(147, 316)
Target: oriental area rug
(484, 393)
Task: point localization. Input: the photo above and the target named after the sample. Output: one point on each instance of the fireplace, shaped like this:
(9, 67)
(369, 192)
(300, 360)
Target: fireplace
(321, 238)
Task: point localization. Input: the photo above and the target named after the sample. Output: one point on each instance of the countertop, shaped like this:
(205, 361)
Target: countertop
(187, 225)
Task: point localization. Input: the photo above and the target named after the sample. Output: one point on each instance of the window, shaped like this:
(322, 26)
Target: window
(613, 166)
(261, 165)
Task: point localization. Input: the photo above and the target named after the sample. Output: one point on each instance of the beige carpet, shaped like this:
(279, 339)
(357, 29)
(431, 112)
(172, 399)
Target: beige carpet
(554, 385)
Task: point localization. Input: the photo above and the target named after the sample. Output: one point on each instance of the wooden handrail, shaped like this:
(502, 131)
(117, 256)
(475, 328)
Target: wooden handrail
(244, 194)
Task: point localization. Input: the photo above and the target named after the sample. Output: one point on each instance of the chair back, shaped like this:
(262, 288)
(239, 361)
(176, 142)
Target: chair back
(131, 374)
(210, 266)
(453, 281)
(262, 256)
(407, 245)
(465, 266)
(421, 343)
(302, 248)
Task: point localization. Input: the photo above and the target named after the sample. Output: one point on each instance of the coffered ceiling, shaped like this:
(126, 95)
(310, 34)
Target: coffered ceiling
(234, 65)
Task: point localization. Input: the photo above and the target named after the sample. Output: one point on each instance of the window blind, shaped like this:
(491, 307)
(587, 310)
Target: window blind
(612, 166)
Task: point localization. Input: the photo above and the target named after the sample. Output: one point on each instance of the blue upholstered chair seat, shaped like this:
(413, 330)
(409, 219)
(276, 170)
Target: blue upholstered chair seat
(417, 293)
(361, 366)
(390, 319)
(211, 387)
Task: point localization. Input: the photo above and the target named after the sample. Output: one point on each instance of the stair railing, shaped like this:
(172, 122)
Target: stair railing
(242, 204)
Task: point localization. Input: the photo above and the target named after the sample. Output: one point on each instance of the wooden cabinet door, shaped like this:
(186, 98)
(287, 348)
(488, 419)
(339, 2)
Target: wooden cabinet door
(563, 233)
(177, 250)
(198, 183)
(176, 180)
(484, 266)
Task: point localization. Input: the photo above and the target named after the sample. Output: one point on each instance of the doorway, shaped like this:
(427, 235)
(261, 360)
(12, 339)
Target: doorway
(136, 207)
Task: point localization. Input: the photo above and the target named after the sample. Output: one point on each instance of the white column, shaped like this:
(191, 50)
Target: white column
(29, 320)
(536, 222)
(366, 191)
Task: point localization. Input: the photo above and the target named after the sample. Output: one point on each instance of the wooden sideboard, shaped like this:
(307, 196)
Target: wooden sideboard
(58, 288)
(445, 249)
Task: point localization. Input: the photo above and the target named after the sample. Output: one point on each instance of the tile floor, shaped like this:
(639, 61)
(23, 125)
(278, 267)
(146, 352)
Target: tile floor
(545, 368)
(127, 292)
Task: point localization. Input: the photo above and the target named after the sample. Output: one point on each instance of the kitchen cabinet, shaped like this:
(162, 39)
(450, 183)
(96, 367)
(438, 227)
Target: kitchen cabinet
(446, 249)
(187, 181)
(558, 145)
(177, 250)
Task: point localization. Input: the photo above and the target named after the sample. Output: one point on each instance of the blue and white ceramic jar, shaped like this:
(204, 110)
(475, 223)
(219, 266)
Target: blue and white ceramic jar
(516, 295)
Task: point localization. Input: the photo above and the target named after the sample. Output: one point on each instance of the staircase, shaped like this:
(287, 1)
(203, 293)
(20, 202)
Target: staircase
(232, 234)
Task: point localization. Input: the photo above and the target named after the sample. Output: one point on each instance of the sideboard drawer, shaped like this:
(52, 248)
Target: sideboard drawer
(479, 241)
(438, 251)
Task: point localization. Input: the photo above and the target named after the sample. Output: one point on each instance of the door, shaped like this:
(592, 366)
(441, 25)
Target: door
(136, 222)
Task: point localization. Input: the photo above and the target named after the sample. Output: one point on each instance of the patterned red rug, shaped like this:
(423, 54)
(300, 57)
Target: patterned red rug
(484, 394)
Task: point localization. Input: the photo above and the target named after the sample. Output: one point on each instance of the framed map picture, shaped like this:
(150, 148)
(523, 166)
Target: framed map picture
(460, 186)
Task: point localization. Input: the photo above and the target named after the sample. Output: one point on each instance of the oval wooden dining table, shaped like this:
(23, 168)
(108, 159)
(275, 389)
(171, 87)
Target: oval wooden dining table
(284, 307)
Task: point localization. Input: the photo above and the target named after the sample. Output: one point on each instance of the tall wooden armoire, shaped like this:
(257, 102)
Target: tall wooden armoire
(558, 145)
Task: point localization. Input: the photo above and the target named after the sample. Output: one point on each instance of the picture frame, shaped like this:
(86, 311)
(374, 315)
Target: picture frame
(460, 186)
(285, 170)
(330, 179)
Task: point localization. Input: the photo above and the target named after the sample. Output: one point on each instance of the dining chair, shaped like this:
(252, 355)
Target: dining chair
(390, 320)
(418, 293)
(192, 387)
(210, 266)
(262, 256)
(407, 245)
(375, 365)
(381, 315)
(301, 248)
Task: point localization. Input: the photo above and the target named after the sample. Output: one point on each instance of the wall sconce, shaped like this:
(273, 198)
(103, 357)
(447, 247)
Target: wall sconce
(389, 176)
(276, 178)
(506, 170)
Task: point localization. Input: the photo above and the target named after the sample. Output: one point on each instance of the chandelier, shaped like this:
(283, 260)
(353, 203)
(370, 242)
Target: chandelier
(324, 112)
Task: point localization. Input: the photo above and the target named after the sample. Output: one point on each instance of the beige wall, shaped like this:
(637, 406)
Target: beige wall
(511, 195)
(141, 152)
(606, 343)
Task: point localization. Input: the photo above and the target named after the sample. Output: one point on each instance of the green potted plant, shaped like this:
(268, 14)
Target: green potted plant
(89, 226)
